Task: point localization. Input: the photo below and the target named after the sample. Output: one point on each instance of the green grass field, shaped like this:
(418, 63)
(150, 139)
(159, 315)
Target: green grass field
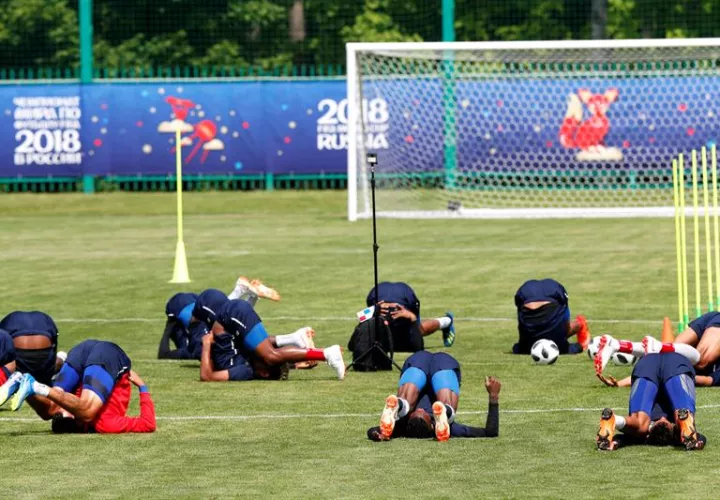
(100, 265)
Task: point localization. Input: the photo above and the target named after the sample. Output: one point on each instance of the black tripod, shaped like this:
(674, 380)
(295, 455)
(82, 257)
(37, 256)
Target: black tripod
(372, 161)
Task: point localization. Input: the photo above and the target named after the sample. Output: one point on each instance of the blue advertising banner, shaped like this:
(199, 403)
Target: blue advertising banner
(301, 126)
(129, 129)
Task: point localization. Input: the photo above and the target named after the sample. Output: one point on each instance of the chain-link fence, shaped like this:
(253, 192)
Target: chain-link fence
(187, 38)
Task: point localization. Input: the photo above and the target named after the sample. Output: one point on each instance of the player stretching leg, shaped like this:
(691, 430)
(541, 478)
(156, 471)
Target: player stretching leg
(649, 345)
(662, 390)
(91, 392)
(430, 386)
(239, 319)
(187, 331)
(222, 360)
(34, 337)
(543, 313)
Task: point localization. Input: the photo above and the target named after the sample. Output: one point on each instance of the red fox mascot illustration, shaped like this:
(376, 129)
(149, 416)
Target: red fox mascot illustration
(589, 135)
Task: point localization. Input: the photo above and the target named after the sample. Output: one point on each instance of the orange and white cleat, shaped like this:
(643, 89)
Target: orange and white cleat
(442, 426)
(389, 416)
(606, 432)
(305, 340)
(688, 434)
(583, 334)
(264, 291)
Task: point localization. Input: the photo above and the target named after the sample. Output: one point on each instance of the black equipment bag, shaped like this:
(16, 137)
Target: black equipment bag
(363, 339)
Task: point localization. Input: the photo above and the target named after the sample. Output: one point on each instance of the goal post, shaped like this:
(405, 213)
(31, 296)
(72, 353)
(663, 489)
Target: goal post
(559, 129)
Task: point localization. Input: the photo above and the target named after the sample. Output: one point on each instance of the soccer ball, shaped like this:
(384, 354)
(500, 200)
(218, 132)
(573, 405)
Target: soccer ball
(544, 352)
(593, 347)
(622, 359)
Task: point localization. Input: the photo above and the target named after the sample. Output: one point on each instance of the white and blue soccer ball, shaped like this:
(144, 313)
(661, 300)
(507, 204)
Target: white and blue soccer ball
(593, 347)
(622, 359)
(544, 352)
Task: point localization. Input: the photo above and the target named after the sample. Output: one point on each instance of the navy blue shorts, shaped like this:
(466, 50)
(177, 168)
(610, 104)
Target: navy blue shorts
(662, 383)
(241, 321)
(658, 368)
(96, 364)
(707, 320)
(431, 372)
(225, 356)
(7, 349)
(22, 323)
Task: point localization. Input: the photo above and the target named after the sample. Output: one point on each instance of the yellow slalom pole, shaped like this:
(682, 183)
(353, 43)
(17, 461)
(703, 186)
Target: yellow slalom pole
(180, 270)
(696, 233)
(713, 166)
(708, 245)
(678, 248)
(683, 240)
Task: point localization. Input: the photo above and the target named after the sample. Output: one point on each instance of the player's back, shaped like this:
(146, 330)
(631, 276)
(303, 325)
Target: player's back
(707, 320)
(539, 291)
(397, 292)
(98, 352)
(20, 323)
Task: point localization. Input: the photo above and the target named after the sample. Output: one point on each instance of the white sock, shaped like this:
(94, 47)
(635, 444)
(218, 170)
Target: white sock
(638, 350)
(41, 389)
(688, 351)
(404, 408)
(288, 339)
(619, 422)
(237, 292)
(444, 321)
(62, 355)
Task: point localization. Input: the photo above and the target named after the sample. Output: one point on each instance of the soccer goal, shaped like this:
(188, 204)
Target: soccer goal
(527, 129)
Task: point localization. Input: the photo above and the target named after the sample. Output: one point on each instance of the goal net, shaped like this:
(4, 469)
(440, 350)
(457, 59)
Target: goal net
(527, 129)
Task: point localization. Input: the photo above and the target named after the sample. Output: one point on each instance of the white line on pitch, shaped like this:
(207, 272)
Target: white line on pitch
(341, 415)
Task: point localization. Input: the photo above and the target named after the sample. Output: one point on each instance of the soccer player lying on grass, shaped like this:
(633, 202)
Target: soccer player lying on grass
(222, 359)
(91, 393)
(430, 385)
(399, 304)
(711, 373)
(238, 318)
(34, 338)
(662, 406)
(704, 334)
(187, 332)
(543, 313)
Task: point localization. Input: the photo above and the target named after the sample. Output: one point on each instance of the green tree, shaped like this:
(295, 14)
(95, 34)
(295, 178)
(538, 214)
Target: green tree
(38, 33)
(375, 25)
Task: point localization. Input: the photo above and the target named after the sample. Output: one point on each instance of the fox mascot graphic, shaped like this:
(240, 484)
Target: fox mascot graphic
(589, 135)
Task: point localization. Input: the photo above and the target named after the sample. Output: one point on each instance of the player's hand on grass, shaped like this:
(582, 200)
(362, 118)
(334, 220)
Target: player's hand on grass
(608, 380)
(136, 380)
(493, 386)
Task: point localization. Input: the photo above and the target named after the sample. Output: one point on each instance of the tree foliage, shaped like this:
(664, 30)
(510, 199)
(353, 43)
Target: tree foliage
(271, 33)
